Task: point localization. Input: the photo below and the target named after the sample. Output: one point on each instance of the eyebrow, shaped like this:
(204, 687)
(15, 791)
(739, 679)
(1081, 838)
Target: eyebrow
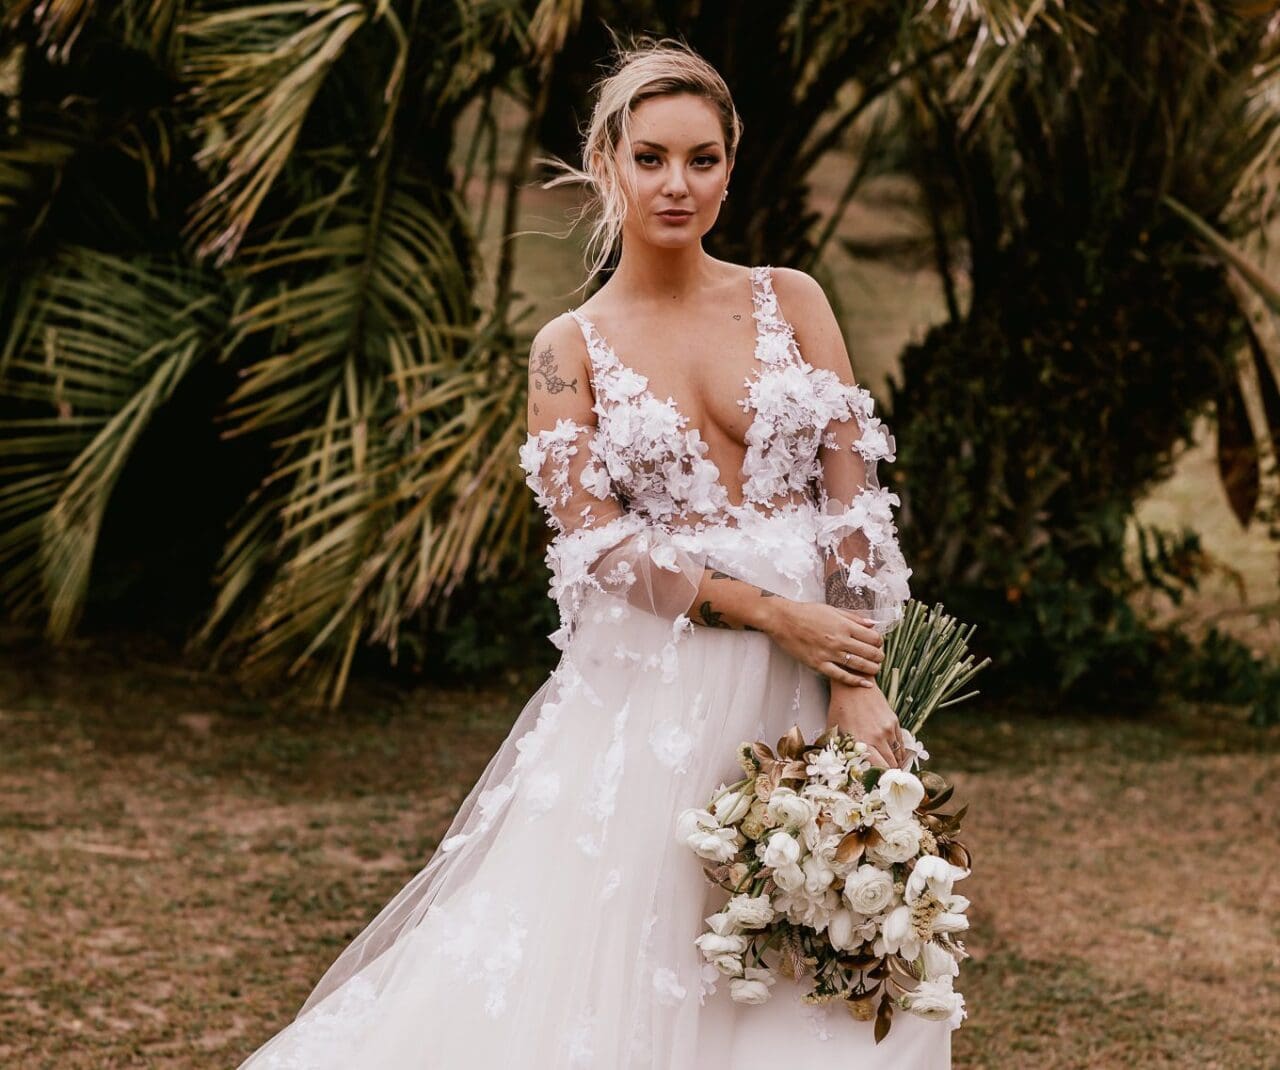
(696, 148)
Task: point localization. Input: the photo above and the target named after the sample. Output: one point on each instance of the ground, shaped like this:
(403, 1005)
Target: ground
(179, 864)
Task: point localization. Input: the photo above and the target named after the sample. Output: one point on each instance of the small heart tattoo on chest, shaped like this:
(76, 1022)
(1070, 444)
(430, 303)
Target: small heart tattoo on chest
(737, 315)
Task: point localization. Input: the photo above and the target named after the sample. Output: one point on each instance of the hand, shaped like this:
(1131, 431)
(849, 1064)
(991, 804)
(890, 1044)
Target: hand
(838, 643)
(866, 715)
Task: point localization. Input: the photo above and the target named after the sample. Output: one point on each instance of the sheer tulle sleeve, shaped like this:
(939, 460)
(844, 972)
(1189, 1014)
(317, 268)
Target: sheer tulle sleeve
(599, 548)
(864, 567)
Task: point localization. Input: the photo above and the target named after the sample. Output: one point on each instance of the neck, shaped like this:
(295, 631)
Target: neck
(665, 276)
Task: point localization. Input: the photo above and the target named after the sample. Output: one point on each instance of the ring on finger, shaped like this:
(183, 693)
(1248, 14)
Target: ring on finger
(847, 658)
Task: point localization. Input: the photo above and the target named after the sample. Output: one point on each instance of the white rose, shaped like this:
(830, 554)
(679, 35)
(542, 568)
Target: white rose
(778, 851)
(900, 841)
(933, 874)
(902, 792)
(789, 809)
(750, 912)
(753, 987)
(716, 846)
(869, 889)
(936, 1001)
(939, 962)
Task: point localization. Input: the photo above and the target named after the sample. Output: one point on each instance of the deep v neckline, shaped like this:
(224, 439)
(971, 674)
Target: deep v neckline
(596, 341)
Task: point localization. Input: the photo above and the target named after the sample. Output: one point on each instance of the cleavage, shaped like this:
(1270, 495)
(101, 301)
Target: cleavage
(710, 395)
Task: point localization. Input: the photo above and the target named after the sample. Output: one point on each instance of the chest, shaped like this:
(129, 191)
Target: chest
(702, 368)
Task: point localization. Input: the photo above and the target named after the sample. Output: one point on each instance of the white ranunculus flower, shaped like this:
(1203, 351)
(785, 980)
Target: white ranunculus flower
(869, 889)
(933, 874)
(721, 924)
(817, 875)
(902, 792)
(789, 809)
(718, 845)
(724, 952)
(789, 877)
(750, 912)
(939, 962)
(899, 841)
(936, 1001)
(779, 850)
(752, 987)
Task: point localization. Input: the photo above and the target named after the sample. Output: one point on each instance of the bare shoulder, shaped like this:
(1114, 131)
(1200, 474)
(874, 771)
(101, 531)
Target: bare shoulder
(559, 383)
(798, 290)
(805, 305)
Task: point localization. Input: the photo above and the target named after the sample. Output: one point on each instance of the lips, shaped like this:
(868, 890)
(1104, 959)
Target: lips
(675, 216)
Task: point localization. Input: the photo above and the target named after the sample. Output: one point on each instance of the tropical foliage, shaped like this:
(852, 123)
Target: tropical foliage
(267, 215)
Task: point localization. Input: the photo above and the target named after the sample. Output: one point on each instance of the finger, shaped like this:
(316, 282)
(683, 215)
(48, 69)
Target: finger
(855, 662)
(842, 676)
(898, 749)
(857, 645)
(853, 614)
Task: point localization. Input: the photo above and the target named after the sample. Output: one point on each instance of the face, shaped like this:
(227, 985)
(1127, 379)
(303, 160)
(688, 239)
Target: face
(681, 170)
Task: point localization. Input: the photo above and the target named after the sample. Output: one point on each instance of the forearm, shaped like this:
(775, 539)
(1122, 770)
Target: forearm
(723, 601)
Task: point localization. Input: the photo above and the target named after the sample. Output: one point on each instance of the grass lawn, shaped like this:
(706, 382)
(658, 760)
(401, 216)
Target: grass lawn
(178, 865)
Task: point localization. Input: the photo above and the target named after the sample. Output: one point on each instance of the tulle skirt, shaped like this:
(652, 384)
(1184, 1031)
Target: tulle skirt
(554, 927)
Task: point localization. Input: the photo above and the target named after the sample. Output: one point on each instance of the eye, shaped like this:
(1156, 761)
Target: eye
(707, 161)
(642, 157)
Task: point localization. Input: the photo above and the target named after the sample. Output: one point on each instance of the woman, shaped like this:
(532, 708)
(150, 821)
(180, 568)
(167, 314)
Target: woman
(724, 562)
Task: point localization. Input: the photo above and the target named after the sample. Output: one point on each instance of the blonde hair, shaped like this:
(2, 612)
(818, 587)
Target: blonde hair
(648, 68)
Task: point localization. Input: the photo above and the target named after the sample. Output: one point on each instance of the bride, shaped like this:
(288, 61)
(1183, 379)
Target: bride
(725, 564)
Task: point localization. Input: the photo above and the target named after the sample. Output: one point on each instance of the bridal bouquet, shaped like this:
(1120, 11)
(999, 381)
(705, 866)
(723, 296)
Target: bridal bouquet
(841, 869)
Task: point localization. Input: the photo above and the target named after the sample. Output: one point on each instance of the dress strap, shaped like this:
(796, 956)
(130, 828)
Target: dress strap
(774, 335)
(600, 355)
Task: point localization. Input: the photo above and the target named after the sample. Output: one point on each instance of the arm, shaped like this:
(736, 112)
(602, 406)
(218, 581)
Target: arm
(863, 564)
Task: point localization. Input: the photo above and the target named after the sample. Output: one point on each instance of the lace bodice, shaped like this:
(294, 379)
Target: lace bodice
(629, 469)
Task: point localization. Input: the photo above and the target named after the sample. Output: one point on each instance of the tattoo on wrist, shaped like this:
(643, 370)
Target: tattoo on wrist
(543, 367)
(838, 593)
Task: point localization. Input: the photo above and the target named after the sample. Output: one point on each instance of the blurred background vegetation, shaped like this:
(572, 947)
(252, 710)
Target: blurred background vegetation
(269, 273)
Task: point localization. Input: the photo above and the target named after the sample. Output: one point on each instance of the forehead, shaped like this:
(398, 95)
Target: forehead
(676, 120)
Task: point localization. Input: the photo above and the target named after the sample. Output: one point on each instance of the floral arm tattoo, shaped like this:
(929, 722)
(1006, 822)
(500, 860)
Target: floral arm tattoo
(546, 374)
(710, 617)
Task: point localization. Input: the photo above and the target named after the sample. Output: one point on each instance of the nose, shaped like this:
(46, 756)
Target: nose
(674, 184)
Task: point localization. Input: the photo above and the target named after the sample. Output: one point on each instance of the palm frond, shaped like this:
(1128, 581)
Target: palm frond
(103, 343)
(363, 307)
(255, 72)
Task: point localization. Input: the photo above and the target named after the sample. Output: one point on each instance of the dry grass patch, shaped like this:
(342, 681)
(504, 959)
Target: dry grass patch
(180, 864)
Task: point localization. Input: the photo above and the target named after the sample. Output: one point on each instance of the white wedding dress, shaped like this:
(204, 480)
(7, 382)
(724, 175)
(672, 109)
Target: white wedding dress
(554, 927)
